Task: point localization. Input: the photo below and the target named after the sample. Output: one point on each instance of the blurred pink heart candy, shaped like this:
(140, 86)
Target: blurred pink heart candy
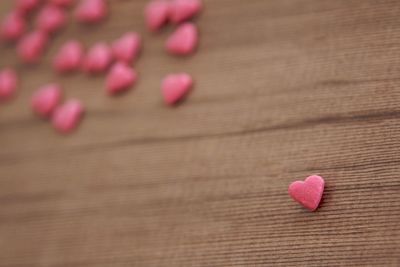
(175, 87)
(91, 11)
(182, 10)
(50, 18)
(98, 58)
(26, 6)
(184, 40)
(127, 48)
(62, 3)
(120, 78)
(157, 14)
(31, 47)
(45, 100)
(8, 83)
(12, 27)
(67, 116)
(69, 57)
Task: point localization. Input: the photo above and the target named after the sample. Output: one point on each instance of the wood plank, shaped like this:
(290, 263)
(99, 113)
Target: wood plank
(284, 89)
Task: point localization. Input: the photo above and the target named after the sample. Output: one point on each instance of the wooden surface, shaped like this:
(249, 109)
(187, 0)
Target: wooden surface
(284, 89)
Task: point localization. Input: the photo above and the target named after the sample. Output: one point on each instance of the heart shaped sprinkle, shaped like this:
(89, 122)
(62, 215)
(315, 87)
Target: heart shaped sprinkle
(91, 11)
(62, 3)
(98, 58)
(157, 13)
(120, 78)
(46, 99)
(31, 47)
(127, 48)
(50, 19)
(69, 57)
(184, 40)
(26, 6)
(8, 83)
(175, 87)
(12, 27)
(182, 10)
(309, 192)
(67, 116)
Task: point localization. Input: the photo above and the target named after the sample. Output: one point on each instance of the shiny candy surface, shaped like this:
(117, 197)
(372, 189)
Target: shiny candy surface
(91, 11)
(309, 192)
(67, 117)
(51, 18)
(8, 83)
(127, 48)
(98, 58)
(31, 46)
(175, 87)
(69, 57)
(184, 40)
(157, 13)
(12, 27)
(120, 78)
(182, 10)
(45, 100)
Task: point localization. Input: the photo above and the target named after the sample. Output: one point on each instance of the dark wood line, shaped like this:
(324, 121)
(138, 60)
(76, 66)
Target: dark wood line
(313, 122)
(339, 82)
(285, 126)
(221, 257)
(30, 197)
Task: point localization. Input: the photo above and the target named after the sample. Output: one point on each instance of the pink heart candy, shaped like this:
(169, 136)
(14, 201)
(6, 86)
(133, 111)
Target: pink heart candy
(98, 58)
(67, 116)
(46, 99)
(26, 6)
(157, 13)
(184, 40)
(175, 87)
(91, 11)
(8, 83)
(309, 192)
(182, 10)
(12, 27)
(31, 46)
(62, 3)
(120, 78)
(127, 48)
(50, 19)
(69, 57)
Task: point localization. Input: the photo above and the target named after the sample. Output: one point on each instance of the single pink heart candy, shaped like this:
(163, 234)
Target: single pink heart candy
(182, 10)
(175, 87)
(8, 84)
(67, 116)
(98, 58)
(46, 99)
(127, 48)
(31, 46)
(62, 3)
(69, 57)
(309, 192)
(120, 78)
(184, 40)
(26, 6)
(12, 27)
(91, 11)
(51, 18)
(157, 13)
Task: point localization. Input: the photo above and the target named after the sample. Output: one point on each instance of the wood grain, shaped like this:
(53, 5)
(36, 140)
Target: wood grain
(284, 89)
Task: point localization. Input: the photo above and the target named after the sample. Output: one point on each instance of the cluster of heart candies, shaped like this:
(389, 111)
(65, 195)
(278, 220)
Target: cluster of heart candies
(115, 59)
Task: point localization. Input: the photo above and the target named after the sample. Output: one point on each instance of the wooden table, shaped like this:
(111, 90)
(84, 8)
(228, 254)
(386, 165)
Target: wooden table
(284, 89)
